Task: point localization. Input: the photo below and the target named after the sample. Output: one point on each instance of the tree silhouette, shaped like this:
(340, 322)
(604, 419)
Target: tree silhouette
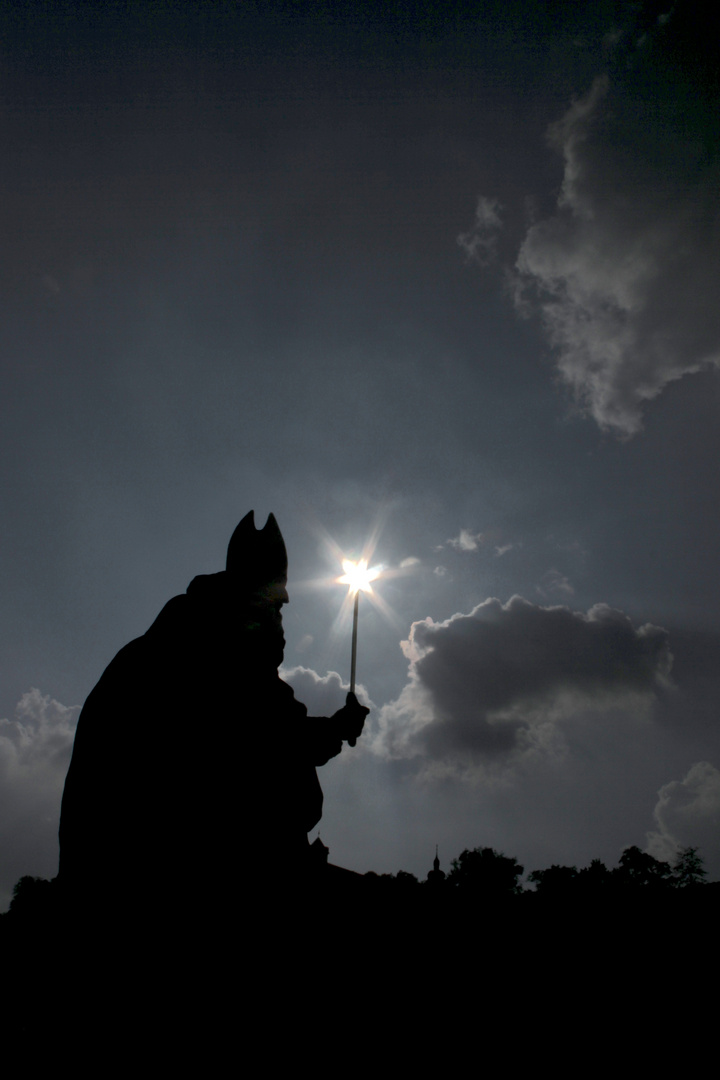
(405, 880)
(688, 868)
(594, 877)
(32, 897)
(556, 881)
(485, 870)
(637, 868)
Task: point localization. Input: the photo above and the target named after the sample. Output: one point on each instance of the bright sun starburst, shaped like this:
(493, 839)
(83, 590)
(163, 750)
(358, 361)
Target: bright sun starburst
(359, 572)
(358, 576)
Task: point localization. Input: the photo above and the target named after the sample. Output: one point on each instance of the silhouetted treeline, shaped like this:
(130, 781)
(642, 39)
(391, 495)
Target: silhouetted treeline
(481, 873)
(465, 936)
(491, 874)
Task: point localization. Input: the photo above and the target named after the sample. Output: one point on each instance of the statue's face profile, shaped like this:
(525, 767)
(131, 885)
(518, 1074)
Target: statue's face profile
(256, 569)
(265, 610)
(275, 594)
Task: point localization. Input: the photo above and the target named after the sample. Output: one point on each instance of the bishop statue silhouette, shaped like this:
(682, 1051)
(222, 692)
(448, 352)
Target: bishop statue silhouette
(193, 763)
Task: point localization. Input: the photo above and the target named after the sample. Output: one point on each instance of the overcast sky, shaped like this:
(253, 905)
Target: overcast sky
(445, 275)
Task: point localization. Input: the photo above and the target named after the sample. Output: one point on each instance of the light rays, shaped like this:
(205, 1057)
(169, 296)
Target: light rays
(360, 573)
(358, 576)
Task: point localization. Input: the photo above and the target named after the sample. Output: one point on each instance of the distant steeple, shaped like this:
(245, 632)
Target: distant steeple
(436, 876)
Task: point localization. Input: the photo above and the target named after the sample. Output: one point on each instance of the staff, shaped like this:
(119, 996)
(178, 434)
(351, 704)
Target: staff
(358, 577)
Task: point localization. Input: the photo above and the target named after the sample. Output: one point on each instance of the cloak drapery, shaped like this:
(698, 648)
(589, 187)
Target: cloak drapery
(193, 762)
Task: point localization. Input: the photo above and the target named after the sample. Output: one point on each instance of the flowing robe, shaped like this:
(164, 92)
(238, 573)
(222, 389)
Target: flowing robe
(193, 763)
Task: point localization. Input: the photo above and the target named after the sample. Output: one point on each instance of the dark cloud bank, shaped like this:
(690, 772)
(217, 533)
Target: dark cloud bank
(481, 684)
(557, 734)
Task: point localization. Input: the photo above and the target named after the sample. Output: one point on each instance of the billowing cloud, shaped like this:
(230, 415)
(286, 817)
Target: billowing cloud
(687, 814)
(498, 681)
(35, 749)
(323, 694)
(480, 242)
(623, 273)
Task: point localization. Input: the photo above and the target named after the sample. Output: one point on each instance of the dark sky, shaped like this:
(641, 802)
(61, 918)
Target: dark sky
(442, 274)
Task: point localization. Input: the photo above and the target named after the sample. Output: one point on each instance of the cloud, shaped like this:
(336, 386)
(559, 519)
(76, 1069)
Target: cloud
(487, 686)
(412, 560)
(553, 582)
(323, 694)
(466, 541)
(479, 244)
(35, 749)
(304, 643)
(623, 273)
(688, 815)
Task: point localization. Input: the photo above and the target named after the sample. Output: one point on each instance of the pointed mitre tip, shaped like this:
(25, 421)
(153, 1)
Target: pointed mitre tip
(247, 552)
(237, 540)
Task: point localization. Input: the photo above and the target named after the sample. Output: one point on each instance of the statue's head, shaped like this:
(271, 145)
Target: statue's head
(257, 558)
(257, 565)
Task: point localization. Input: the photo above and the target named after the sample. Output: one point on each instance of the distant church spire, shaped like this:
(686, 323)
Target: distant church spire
(436, 876)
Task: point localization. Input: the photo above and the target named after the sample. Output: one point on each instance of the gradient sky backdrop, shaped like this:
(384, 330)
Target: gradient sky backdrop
(446, 272)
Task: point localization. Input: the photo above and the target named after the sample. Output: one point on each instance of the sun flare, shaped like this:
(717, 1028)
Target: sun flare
(358, 576)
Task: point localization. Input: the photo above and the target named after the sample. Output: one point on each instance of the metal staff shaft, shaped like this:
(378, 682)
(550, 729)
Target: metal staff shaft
(353, 663)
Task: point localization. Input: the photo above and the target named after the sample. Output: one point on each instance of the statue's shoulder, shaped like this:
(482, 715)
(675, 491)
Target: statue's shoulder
(286, 693)
(142, 653)
(173, 615)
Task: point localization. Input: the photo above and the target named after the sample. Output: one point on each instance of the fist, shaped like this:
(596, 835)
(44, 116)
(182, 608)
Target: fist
(350, 719)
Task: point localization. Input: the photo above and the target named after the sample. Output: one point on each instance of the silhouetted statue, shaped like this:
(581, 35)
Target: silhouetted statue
(193, 776)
